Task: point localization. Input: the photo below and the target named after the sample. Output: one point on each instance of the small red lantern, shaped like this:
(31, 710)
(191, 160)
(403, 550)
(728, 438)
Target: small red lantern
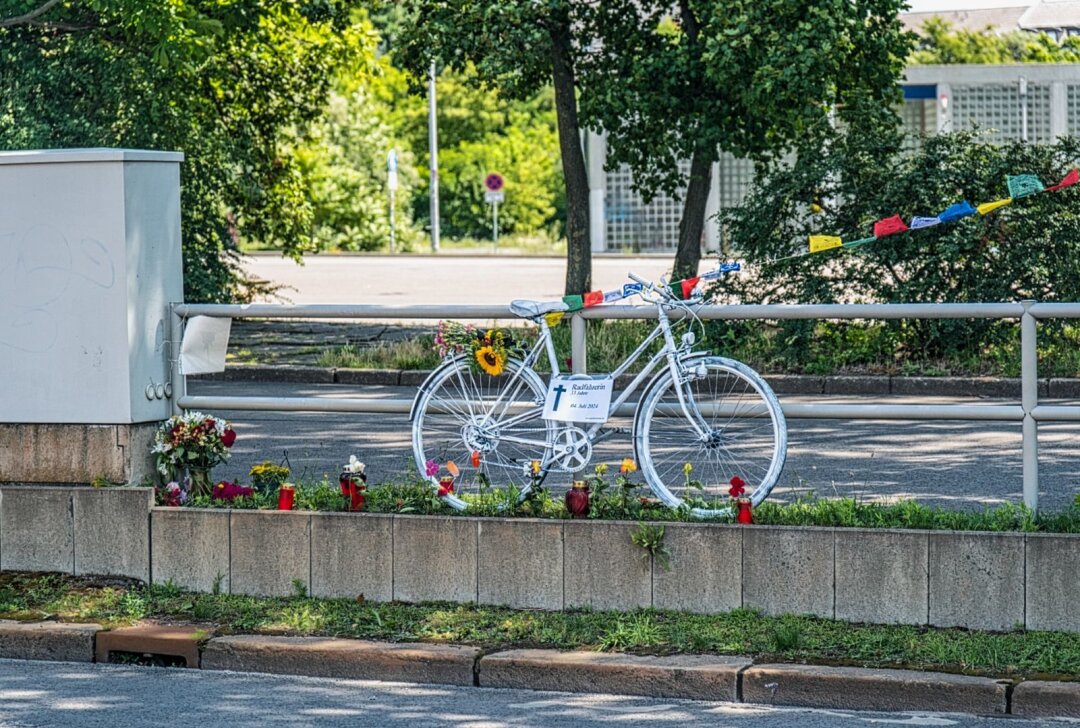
(577, 500)
(286, 497)
(356, 495)
(744, 515)
(446, 485)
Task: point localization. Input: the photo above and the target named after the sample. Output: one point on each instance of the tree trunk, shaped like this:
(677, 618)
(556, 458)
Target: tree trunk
(692, 224)
(578, 251)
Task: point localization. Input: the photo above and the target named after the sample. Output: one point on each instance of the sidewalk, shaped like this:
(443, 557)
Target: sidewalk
(697, 677)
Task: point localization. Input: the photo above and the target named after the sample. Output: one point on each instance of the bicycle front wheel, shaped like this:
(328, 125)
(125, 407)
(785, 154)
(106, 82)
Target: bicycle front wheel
(729, 424)
(490, 427)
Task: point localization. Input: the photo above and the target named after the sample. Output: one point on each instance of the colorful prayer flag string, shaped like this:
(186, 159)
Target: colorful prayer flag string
(1020, 186)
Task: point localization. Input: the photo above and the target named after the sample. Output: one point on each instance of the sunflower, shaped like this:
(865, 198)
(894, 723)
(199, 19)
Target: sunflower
(490, 360)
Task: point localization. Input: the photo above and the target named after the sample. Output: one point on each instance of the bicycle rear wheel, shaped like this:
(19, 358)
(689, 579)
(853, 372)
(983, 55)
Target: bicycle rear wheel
(459, 412)
(743, 434)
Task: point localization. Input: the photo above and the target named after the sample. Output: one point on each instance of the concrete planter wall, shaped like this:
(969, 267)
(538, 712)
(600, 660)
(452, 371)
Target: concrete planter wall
(993, 581)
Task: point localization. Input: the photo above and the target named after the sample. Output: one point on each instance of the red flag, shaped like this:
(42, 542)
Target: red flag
(1070, 179)
(688, 286)
(593, 298)
(889, 226)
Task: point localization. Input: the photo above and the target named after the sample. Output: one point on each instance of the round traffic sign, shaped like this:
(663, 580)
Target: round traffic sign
(494, 182)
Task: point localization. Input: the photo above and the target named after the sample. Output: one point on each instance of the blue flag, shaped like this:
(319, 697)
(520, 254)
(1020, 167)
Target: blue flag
(957, 211)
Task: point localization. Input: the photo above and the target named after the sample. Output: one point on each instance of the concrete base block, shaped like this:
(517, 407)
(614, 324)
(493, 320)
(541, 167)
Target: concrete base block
(1053, 582)
(434, 559)
(796, 383)
(603, 568)
(844, 384)
(340, 658)
(350, 556)
(696, 677)
(47, 641)
(1040, 699)
(856, 688)
(520, 563)
(882, 576)
(705, 573)
(271, 550)
(37, 531)
(112, 531)
(46, 453)
(788, 570)
(976, 580)
(388, 377)
(190, 548)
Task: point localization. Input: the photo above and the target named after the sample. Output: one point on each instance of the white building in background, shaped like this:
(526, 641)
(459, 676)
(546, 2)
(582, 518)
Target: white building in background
(1057, 18)
(1032, 102)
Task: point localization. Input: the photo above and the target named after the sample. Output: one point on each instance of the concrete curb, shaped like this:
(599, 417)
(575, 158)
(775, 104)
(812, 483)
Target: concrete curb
(999, 387)
(355, 659)
(695, 677)
(48, 641)
(857, 688)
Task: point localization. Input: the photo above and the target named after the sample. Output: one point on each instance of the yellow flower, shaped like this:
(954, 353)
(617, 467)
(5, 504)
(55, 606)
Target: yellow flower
(628, 466)
(687, 469)
(490, 360)
(601, 468)
(536, 467)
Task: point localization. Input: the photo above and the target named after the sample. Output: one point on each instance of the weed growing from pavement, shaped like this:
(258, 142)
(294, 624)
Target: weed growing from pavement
(115, 602)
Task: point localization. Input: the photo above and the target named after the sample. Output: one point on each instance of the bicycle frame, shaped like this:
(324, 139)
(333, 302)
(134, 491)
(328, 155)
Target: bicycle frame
(670, 351)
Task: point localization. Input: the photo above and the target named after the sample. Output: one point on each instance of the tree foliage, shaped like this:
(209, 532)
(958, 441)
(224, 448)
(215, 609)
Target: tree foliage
(939, 42)
(227, 82)
(750, 77)
(1030, 249)
(516, 47)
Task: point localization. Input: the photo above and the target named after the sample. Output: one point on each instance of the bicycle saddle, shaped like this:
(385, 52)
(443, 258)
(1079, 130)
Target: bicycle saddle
(532, 309)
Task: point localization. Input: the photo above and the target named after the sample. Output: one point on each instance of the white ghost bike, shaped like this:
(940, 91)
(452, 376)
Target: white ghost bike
(700, 421)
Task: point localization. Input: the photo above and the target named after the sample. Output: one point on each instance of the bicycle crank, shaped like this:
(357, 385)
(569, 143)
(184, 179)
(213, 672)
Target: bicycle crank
(572, 449)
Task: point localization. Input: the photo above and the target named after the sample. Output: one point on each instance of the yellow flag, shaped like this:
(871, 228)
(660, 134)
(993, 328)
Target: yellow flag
(554, 317)
(819, 243)
(988, 207)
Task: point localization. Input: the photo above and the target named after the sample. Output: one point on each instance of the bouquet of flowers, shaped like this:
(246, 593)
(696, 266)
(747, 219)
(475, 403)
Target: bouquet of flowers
(486, 350)
(172, 495)
(194, 442)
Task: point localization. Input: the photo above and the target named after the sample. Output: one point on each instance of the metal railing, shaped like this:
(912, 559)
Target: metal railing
(1029, 412)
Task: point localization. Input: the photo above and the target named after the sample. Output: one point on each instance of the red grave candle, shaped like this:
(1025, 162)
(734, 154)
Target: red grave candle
(286, 497)
(577, 500)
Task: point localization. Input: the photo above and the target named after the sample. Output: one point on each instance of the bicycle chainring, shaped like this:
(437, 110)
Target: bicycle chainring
(571, 450)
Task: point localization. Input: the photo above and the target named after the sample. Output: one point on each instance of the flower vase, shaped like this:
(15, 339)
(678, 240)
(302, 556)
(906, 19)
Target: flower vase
(744, 514)
(200, 481)
(577, 500)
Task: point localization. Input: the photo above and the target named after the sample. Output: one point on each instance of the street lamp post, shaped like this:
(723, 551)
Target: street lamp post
(433, 154)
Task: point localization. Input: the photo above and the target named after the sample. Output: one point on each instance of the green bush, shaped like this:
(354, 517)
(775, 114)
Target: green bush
(1029, 250)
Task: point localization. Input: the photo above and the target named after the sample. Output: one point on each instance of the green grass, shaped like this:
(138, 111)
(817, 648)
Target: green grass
(825, 347)
(740, 632)
(411, 354)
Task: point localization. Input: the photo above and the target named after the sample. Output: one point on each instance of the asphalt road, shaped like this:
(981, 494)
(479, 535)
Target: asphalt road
(57, 695)
(952, 463)
(450, 279)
